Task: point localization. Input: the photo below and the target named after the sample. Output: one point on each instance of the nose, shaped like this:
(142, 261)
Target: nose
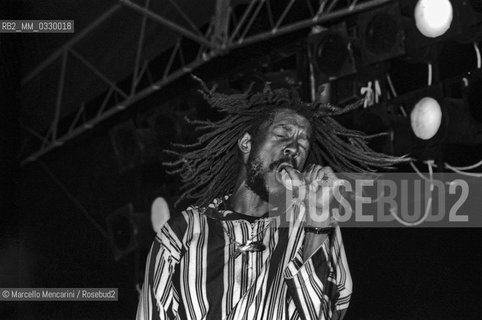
(291, 149)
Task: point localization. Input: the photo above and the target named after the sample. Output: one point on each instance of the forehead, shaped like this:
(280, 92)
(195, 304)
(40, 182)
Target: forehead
(290, 118)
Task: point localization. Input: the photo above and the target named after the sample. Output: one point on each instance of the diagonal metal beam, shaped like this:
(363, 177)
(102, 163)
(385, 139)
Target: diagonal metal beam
(221, 24)
(141, 72)
(306, 23)
(283, 15)
(70, 43)
(34, 133)
(79, 114)
(140, 44)
(60, 91)
(118, 108)
(171, 25)
(253, 18)
(171, 58)
(332, 6)
(206, 53)
(185, 16)
(242, 20)
(97, 72)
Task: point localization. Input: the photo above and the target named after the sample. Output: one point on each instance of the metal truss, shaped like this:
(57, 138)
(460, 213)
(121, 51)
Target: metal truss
(228, 29)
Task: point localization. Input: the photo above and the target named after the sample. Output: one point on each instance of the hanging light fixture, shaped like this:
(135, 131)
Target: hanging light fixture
(331, 54)
(381, 35)
(418, 120)
(433, 17)
(425, 118)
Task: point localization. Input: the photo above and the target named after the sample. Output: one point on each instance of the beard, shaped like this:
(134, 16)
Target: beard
(255, 179)
(255, 176)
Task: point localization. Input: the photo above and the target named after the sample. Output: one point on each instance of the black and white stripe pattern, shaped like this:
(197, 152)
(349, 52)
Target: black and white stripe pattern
(191, 272)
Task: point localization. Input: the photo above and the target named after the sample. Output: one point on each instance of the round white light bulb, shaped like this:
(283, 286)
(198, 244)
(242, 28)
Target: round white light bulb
(159, 213)
(426, 118)
(433, 17)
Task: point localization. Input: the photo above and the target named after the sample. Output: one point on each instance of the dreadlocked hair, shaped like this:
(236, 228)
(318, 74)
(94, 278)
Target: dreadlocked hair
(210, 166)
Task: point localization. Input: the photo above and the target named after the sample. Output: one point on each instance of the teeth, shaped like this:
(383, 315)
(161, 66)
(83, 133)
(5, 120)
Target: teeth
(285, 179)
(284, 174)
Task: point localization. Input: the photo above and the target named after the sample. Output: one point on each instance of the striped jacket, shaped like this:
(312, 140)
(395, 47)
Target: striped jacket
(191, 272)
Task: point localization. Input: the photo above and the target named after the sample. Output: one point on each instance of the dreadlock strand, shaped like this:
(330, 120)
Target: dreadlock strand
(223, 184)
(196, 122)
(326, 157)
(360, 138)
(341, 130)
(220, 129)
(342, 161)
(209, 167)
(321, 157)
(327, 109)
(347, 148)
(345, 151)
(360, 144)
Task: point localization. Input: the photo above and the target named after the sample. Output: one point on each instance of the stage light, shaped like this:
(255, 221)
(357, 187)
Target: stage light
(159, 213)
(381, 35)
(129, 230)
(433, 17)
(127, 145)
(473, 94)
(331, 53)
(462, 127)
(426, 118)
(476, 5)
(120, 226)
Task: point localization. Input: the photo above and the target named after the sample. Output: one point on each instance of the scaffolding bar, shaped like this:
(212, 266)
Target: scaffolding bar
(171, 25)
(60, 91)
(70, 43)
(209, 48)
(114, 110)
(326, 17)
(98, 73)
(140, 44)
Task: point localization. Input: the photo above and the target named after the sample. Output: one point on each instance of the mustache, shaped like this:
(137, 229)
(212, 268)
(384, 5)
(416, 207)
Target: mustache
(286, 159)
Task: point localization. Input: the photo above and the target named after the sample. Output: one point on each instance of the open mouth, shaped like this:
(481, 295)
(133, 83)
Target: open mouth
(282, 166)
(281, 174)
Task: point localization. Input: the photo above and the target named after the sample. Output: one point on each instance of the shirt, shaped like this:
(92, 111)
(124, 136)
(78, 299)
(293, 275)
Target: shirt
(192, 271)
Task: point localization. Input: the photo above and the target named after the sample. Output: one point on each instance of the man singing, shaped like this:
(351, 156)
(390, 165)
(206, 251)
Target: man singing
(235, 254)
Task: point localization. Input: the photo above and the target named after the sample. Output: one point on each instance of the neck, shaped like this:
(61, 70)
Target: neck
(245, 201)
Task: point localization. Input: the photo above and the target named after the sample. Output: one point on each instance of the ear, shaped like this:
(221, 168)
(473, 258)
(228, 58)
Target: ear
(244, 145)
